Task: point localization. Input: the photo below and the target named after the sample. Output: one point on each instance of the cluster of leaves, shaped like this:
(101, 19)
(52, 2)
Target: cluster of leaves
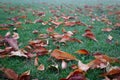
(39, 46)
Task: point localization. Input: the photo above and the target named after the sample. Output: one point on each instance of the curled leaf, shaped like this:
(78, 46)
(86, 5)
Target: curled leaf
(82, 66)
(82, 51)
(25, 76)
(89, 34)
(41, 67)
(75, 75)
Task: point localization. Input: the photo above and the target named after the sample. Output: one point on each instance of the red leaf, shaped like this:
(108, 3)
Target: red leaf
(89, 35)
(10, 74)
(25, 76)
(75, 75)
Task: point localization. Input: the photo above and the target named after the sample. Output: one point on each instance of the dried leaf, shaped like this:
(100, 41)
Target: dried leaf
(12, 42)
(10, 74)
(40, 51)
(64, 64)
(89, 35)
(19, 53)
(58, 54)
(98, 63)
(74, 66)
(82, 66)
(107, 29)
(36, 61)
(25, 76)
(113, 73)
(75, 75)
(82, 51)
(41, 67)
(15, 36)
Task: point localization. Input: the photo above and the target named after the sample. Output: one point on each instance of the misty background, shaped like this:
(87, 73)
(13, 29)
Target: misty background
(59, 2)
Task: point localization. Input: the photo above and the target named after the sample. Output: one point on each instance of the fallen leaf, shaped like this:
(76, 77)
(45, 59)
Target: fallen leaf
(41, 67)
(10, 74)
(58, 54)
(98, 63)
(82, 66)
(19, 53)
(40, 51)
(113, 73)
(75, 75)
(82, 51)
(88, 33)
(25, 76)
(15, 36)
(106, 29)
(36, 61)
(12, 42)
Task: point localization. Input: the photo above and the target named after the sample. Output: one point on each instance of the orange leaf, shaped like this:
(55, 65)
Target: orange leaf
(88, 33)
(82, 51)
(10, 74)
(58, 54)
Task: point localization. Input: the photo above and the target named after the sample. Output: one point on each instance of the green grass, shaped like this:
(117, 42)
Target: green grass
(21, 65)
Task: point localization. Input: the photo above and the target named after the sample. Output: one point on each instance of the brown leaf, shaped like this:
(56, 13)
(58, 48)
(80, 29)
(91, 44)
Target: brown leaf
(4, 28)
(56, 23)
(98, 63)
(36, 61)
(82, 66)
(82, 51)
(107, 29)
(101, 56)
(58, 54)
(25, 76)
(50, 29)
(19, 53)
(68, 23)
(75, 75)
(113, 73)
(89, 35)
(41, 67)
(12, 42)
(10, 74)
(40, 51)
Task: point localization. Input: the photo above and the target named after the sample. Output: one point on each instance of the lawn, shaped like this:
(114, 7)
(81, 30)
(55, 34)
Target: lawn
(36, 20)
